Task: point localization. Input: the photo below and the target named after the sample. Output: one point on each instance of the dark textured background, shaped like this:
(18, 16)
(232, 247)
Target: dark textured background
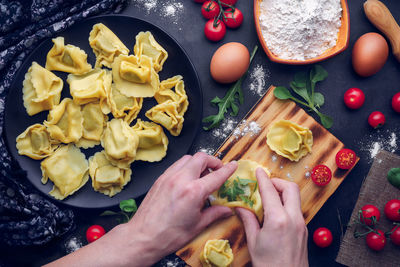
(349, 126)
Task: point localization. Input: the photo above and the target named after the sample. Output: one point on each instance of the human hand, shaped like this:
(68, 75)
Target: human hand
(282, 240)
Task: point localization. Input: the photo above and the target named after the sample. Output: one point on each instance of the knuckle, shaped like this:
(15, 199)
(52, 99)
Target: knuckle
(294, 186)
(281, 221)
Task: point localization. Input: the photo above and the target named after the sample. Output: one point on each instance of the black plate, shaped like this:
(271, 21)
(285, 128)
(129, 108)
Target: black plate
(143, 173)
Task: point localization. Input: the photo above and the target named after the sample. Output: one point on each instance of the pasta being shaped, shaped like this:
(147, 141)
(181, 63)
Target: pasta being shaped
(216, 253)
(120, 143)
(243, 180)
(148, 46)
(67, 58)
(123, 106)
(134, 76)
(106, 45)
(107, 178)
(65, 122)
(153, 143)
(178, 96)
(41, 89)
(67, 168)
(289, 139)
(167, 115)
(94, 122)
(35, 142)
(90, 87)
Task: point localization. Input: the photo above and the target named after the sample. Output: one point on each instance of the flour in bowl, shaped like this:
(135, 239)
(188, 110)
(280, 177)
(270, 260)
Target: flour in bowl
(300, 29)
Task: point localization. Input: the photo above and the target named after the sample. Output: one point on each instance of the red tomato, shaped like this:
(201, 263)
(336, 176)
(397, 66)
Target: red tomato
(214, 31)
(376, 241)
(346, 158)
(321, 175)
(395, 235)
(354, 98)
(376, 119)
(233, 18)
(322, 237)
(210, 9)
(392, 210)
(94, 232)
(396, 102)
(370, 215)
(228, 2)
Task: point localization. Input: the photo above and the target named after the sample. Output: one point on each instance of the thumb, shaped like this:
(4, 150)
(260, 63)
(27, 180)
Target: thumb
(251, 225)
(212, 214)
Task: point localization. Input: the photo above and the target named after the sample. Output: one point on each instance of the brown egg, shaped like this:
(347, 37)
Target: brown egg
(370, 53)
(229, 62)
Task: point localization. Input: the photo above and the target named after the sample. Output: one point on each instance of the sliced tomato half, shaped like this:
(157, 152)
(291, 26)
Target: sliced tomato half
(321, 175)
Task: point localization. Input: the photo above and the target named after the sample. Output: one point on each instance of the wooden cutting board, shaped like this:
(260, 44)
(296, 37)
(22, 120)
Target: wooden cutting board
(268, 110)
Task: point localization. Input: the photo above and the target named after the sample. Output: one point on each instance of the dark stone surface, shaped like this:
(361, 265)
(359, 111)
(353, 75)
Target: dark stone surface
(349, 126)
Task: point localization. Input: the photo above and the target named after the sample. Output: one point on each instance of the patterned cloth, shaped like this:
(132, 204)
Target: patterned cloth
(25, 217)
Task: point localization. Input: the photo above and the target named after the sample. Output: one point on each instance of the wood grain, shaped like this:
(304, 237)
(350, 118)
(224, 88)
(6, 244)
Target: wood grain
(268, 110)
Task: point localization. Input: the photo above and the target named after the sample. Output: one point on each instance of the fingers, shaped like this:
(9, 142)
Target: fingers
(290, 195)
(214, 180)
(178, 165)
(270, 198)
(200, 162)
(212, 214)
(251, 225)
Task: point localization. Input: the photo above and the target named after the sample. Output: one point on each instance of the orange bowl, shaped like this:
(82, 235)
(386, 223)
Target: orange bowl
(341, 44)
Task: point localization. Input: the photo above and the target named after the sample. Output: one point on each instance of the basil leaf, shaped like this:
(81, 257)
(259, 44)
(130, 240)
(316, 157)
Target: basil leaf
(128, 205)
(393, 177)
(319, 99)
(282, 93)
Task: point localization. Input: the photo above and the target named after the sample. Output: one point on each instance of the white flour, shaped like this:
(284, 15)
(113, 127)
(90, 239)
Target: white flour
(259, 77)
(169, 9)
(300, 29)
(379, 140)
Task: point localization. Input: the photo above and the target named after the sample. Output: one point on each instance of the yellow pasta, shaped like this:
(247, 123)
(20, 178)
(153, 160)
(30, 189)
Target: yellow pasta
(67, 58)
(148, 46)
(216, 253)
(41, 89)
(178, 96)
(67, 168)
(167, 115)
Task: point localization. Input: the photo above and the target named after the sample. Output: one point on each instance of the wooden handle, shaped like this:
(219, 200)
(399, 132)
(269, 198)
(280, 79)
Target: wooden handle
(379, 15)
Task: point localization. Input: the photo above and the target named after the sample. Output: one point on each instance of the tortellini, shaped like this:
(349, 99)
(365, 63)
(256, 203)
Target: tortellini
(167, 115)
(216, 253)
(90, 87)
(123, 106)
(35, 142)
(106, 45)
(67, 168)
(41, 89)
(153, 143)
(179, 97)
(289, 139)
(107, 178)
(135, 76)
(245, 178)
(65, 122)
(148, 46)
(120, 142)
(67, 58)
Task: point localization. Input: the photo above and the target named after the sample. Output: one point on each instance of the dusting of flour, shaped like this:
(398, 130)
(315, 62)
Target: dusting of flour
(300, 29)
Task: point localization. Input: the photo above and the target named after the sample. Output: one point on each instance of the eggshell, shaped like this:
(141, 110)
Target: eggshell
(229, 62)
(370, 53)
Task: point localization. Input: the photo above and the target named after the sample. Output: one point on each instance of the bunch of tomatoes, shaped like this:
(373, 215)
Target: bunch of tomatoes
(220, 14)
(354, 98)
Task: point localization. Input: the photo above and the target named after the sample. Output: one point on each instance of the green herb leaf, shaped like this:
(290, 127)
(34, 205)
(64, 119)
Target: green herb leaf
(301, 91)
(393, 177)
(247, 200)
(326, 121)
(282, 93)
(109, 213)
(319, 99)
(300, 79)
(128, 205)
(246, 181)
(318, 74)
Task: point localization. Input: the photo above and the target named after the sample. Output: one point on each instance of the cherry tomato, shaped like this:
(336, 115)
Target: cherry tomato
(395, 235)
(94, 232)
(228, 2)
(396, 102)
(354, 98)
(321, 175)
(200, 1)
(322, 237)
(376, 119)
(346, 158)
(233, 18)
(368, 212)
(214, 31)
(392, 210)
(376, 241)
(210, 9)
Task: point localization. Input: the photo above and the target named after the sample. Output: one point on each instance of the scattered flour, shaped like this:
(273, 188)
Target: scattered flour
(73, 244)
(379, 140)
(274, 158)
(259, 77)
(225, 128)
(308, 174)
(169, 9)
(247, 127)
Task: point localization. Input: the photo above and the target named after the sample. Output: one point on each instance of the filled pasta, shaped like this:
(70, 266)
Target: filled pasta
(120, 143)
(148, 46)
(106, 45)
(35, 142)
(167, 115)
(216, 253)
(41, 89)
(67, 58)
(65, 122)
(107, 178)
(153, 143)
(67, 168)
(177, 96)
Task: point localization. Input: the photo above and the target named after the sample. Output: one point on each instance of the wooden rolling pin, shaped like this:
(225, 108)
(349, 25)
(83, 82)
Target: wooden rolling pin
(379, 15)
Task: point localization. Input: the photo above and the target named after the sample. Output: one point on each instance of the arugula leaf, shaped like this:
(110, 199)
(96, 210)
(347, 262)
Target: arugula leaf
(235, 190)
(229, 101)
(128, 205)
